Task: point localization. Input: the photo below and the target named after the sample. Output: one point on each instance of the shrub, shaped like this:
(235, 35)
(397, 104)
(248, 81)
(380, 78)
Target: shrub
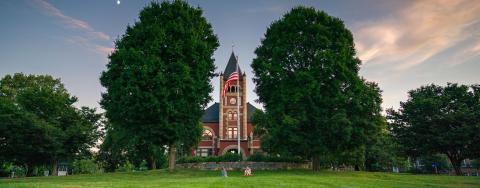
(143, 166)
(85, 166)
(190, 159)
(8, 168)
(476, 163)
(211, 159)
(230, 157)
(39, 170)
(126, 167)
(258, 157)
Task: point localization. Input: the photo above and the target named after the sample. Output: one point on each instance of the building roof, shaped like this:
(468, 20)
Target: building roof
(212, 112)
(231, 67)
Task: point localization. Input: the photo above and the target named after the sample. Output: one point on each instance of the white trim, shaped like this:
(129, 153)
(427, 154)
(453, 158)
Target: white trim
(234, 146)
(211, 130)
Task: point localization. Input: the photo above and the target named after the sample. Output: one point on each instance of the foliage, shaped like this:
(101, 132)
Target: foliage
(228, 157)
(259, 157)
(476, 163)
(158, 77)
(196, 159)
(126, 167)
(306, 76)
(439, 160)
(119, 147)
(143, 166)
(40, 125)
(85, 166)
(40, 170)
(383, 154)
(437, 119)
(9, 168)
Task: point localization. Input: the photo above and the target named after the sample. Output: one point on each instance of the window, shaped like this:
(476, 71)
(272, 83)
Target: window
(207, 135)
(235, 115)
(204, 152)
(232, 115)
(232, 132)
(233, 89)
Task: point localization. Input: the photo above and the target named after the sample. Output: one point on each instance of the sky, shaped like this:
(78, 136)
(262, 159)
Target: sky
(402, 44)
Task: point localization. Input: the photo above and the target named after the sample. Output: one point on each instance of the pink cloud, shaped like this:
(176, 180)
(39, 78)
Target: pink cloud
(69, 22)
(103, 50)
(414, 34)
(90, 37)
(85, 43)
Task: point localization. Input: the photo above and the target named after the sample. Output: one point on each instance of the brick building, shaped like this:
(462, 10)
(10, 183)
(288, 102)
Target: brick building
(220, 120)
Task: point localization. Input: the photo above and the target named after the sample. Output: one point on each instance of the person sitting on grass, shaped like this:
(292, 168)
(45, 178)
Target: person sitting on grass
(224, 172)
(247, 172)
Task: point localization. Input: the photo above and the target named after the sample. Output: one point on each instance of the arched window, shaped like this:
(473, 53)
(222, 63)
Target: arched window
(207, 135)
(235, 115)
(233, 89)
(232, 115)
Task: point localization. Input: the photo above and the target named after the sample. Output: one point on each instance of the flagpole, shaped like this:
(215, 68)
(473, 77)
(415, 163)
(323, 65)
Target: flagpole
(238, 109)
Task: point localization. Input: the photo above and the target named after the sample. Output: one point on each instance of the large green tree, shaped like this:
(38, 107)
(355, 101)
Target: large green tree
(437, 119)
(306, 76)
(119, 147)
(158, 77)
(39, 123)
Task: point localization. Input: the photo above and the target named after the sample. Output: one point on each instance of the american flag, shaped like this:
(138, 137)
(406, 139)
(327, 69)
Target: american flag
(233, 77)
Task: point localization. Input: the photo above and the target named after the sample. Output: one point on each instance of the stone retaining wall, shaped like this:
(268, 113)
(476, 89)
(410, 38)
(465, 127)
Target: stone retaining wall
(243, 164)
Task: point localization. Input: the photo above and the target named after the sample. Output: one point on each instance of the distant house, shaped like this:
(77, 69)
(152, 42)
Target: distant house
(220, 120)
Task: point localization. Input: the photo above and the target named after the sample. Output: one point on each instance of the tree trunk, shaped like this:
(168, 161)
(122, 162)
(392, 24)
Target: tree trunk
(457, 167)
(29, 171)
(153, 164)
(456, 163)
(316, 163)
(171, 157)
(357, 168)
(54, 168)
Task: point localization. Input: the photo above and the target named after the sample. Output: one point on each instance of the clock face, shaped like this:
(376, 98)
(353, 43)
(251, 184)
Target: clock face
(233, 101)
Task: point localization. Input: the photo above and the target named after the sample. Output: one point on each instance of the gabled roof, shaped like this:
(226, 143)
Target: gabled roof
(231, 67)
(212, 112)
(250, 110)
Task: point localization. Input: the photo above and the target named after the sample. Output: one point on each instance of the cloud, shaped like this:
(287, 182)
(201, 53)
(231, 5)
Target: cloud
(414, 34)
(103, 49)
(89, 38)
(69, 22)
(87, 44)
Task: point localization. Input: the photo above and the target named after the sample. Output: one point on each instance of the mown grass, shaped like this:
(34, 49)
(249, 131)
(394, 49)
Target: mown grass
(290, 178)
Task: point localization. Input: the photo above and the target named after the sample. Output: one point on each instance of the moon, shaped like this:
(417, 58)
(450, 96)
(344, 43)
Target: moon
(118, 2)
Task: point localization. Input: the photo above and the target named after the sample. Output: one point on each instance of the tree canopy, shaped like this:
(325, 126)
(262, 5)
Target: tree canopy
(39, 123)
(306, 76)
(158, 77)
(437, 119)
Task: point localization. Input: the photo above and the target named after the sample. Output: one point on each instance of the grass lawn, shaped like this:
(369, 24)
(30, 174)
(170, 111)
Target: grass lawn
(292, 178)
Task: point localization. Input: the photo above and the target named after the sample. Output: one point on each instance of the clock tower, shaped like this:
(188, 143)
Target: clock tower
(229, 111)
(220, 120)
